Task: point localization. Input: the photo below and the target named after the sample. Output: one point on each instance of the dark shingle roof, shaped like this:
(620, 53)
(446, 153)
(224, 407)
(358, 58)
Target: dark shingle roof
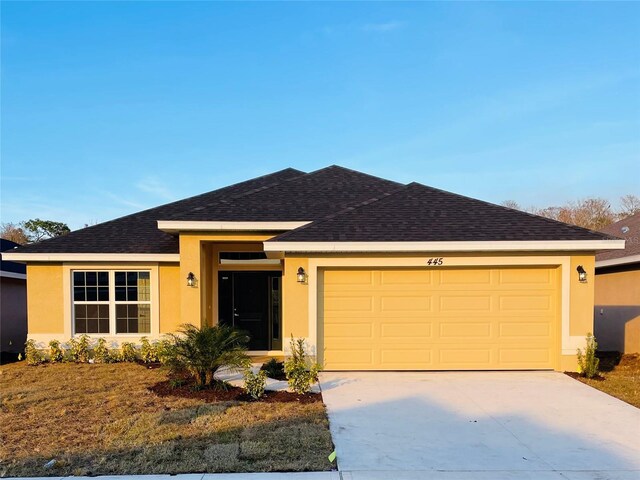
(417, 213)
(627, 228)
(307, 197)
(343, 204)
(138, 233)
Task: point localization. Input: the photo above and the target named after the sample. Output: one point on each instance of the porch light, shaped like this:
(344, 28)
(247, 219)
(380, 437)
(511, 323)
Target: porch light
(302, 276)
(191, 279)
(582, 274)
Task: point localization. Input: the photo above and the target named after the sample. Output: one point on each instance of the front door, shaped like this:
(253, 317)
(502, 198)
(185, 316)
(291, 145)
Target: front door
(247, 301)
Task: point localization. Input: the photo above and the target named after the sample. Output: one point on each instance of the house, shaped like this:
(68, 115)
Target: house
(374, 274)
(13, 304)
(617, 290)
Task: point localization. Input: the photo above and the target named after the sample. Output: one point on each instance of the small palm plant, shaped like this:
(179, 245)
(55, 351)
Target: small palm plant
(201, 352)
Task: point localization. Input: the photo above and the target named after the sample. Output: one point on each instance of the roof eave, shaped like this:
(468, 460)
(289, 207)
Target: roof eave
(613, 262)
(482, 246)
(177, 226)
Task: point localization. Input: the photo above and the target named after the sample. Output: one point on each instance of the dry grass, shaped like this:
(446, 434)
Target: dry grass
(102, 419)
(621, 378)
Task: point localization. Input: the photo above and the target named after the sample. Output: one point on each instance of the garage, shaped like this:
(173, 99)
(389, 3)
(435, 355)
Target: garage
(481, 318)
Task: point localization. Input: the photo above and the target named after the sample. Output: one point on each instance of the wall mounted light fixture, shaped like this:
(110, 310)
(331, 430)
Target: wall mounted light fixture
(582, 274)
(302, 276)
(191, 280)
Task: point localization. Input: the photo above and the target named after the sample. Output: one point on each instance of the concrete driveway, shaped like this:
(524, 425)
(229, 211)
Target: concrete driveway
(479, 425)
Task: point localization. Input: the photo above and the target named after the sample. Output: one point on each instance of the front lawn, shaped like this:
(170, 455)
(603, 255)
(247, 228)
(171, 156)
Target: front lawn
(120, 419)
(619, 377)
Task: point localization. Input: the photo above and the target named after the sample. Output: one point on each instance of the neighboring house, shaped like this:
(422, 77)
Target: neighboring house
(13, 304)
(374, 274)
(617, 297)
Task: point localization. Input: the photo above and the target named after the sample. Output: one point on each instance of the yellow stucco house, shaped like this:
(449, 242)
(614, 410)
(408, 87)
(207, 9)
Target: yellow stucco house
(374, 274)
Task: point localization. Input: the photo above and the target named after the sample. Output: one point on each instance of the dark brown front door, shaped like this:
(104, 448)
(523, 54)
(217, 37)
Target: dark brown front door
(246, 302)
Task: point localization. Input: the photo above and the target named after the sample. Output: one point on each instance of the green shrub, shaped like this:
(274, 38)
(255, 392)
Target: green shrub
(101, 352)
(128, 352)
(255, 383)
(148, 351)
(274, 369)
(588, 363)
(201, 352)
(32, 355)
(164, 351)
(300, 372)
(56, 352)
(79, 349)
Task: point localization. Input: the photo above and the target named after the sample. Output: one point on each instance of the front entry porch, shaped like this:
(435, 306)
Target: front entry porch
(251, 301)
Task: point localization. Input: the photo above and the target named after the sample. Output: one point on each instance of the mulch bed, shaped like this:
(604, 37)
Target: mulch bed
(576, 375)
(231, 394)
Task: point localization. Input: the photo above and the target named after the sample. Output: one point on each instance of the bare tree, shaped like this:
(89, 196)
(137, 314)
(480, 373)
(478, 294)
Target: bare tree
(629, 205)
(13, 232)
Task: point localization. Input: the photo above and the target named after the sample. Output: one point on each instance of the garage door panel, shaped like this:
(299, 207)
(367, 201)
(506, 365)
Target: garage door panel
(524, 356)
(405, 303)
(526, 276)
(465, 277)
(465, 330)
(519, 330)
(390, 278)
(408, 358)
(440, 319)
(458, 303)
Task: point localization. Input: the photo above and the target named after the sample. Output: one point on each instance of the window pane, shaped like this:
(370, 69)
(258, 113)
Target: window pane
(79, 294)
(78, 278)
(92, 278)
(103, 325)
(92, 294)
(80, 319)
(121, 278)
(132, 294)
(92, 325)
(103, 294)
(121, 294)
(144, 276)
(132, 278)
(133, 319)
(103, 279)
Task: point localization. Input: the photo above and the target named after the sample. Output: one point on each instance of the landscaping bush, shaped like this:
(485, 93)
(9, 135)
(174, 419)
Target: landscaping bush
(148, 352)
(32, 355)
(101, 352)
(56, 352)
(588, 363)
(128, 352)
(164, 351)
(300, 372)
(255, 383)
(274, 369)
(201, 352)
(79, 349)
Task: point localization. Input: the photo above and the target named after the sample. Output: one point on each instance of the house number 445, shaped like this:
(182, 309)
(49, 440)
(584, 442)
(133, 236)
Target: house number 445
(435, 261)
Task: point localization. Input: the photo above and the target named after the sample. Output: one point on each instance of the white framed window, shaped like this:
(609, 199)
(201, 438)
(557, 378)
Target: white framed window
(111, 302)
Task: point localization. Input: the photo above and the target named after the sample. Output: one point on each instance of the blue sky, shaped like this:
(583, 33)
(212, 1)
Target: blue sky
(109, 108)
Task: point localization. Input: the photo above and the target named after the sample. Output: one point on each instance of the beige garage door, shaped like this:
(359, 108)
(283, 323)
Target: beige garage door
(440, 319)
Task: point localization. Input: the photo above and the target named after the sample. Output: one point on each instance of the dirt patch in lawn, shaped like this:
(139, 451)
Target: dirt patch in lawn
(188, 390)
(115, 420)
(619, 377)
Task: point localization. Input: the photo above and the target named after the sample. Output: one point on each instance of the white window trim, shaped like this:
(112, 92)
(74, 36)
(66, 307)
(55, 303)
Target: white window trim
(69, 320)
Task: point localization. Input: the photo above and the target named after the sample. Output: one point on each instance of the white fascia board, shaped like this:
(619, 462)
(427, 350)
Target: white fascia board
(171, 226)
(90, 257)
(501, 246)
(618, 261)
(19, 276)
